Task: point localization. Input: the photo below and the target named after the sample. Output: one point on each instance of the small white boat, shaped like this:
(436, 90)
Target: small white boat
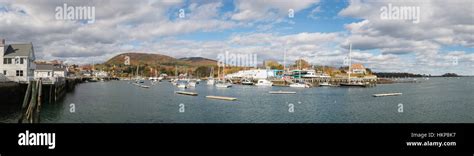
(174, 82)
(211, 81)
(324, 84)
(192, 84)
(223, 84)
(264, 82)
(353, 84)
(246, 82)
(181, 84)
(139, 81)
(299, 85)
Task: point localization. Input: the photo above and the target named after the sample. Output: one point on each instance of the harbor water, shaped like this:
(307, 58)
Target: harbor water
(437, 100)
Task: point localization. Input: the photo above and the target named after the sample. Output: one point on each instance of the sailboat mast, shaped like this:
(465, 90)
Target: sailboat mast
(284, 60)
(350, 63)
(137, 72)
(176, 71)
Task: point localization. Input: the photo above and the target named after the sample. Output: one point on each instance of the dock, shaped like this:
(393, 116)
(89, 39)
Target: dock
(221, 98)
(281, 92)
(387, 94)
(186, 93)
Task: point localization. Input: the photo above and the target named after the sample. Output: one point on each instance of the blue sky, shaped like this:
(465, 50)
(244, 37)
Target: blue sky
(319, 32)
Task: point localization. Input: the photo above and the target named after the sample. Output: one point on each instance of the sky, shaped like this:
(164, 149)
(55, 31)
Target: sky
(318, 31)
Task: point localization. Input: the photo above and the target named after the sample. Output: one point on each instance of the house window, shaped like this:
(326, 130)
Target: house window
(22, 61)
(49, 73)
(19, 73)
(7, 61)
(5, 72)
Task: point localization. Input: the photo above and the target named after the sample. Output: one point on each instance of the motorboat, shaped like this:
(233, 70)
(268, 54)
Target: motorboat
(299, 85)
(264, 82)
(246, 82)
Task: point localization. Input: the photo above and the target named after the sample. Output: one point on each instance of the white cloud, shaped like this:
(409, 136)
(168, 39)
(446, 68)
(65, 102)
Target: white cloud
(268, 10)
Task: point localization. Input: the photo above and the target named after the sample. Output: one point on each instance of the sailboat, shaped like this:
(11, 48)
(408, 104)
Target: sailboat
(222, 83)
(299, 84)
(181, 84)
(138, 79)
(349, 82)
(210, 80)
(192, 83)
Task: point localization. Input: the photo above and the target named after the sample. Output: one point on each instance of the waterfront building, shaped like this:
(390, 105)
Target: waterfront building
(252, 74)
(17, 62)
(358, 69)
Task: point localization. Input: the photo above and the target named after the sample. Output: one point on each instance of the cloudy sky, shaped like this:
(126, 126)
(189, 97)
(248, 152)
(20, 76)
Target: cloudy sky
(319, 31)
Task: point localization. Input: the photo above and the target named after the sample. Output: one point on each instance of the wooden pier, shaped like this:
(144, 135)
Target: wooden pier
(281, 92)
(187, 93)
(42, 91)
(221, 98)
(387, 94)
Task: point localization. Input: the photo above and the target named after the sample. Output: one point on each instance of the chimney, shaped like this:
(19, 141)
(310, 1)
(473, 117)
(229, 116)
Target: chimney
(2, 47)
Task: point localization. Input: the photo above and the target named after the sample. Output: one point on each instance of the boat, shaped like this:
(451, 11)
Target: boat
(264, 82)
(246, 82)
(93, 80)
(223, 84)
(140, 81)
(299, 85)
(174, 82)
(313, 74)
(353, 84)
(324, 84)
(349, 82)
(192, 83)
(181, 84)
(144, 86)
(211, 81)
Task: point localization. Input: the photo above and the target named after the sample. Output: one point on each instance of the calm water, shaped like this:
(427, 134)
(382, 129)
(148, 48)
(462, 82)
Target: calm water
(438, 100)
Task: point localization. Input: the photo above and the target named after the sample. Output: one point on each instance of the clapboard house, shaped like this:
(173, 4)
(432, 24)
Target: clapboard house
(16, 62)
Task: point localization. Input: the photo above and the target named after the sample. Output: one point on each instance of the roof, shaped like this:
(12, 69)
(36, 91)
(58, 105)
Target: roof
(44, 67)
(57, 68)
(357, 66)
(19, 50)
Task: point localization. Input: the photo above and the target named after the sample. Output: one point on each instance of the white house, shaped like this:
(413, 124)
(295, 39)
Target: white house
(358, 69)
(49, 73)
(101, 74)
(45, 71)
(17, 62)
(59, 71)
